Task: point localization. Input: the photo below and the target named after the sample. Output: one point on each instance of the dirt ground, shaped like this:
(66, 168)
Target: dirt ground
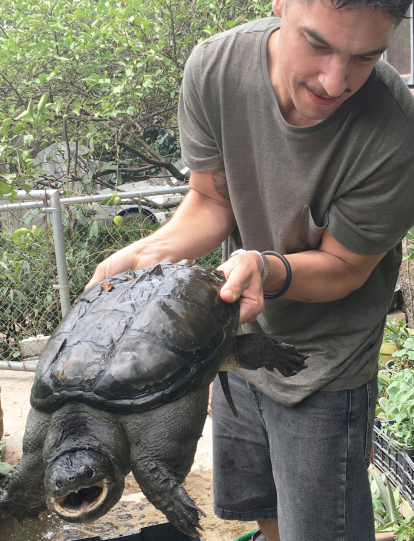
(133, 511)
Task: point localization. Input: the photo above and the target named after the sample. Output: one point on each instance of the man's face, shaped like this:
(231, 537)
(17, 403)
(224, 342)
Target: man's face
(324, 55)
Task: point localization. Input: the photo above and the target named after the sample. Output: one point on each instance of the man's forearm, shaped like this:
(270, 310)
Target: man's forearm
(197, 227)
(316, 277)
(323, 275)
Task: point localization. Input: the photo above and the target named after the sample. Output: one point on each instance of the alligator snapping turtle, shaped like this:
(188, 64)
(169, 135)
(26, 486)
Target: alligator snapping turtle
(123, 385)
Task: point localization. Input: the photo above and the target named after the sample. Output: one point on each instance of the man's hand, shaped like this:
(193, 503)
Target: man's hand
(130, 257)
(244, 280)
(206, 208)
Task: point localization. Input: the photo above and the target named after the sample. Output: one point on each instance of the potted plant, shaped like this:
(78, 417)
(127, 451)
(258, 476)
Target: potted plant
(395, 335)
(393, 517)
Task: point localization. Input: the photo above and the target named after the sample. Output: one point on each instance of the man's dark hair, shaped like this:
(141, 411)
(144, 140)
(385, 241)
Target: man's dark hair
(398, 8)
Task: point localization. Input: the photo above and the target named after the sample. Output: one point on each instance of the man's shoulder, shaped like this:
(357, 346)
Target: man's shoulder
(248, 30)
(259, 25)
(394, 97)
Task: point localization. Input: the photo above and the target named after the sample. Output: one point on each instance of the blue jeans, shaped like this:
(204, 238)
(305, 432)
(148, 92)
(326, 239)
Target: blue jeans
(305, 466)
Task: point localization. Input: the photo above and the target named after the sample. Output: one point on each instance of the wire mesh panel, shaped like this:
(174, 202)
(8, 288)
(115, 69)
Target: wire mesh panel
(396, 461)
(29, 303)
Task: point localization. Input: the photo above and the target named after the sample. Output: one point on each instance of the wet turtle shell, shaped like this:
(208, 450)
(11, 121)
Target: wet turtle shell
(138, 340)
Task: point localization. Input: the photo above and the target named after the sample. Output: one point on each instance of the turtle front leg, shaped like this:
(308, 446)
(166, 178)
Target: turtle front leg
(255, 351)
(162, 487)
(163, 442)
(24, 495)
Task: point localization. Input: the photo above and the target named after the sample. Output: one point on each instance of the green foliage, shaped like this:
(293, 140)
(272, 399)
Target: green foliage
(406, 353)
(386, 504)
(4, 466)
(213, 259)
(410, 243)
(95, 73)
(384, 379)
(399, 334)
(398, 405)
(396, 332)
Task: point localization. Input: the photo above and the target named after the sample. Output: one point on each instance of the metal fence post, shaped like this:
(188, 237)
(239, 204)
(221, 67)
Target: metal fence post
(61, 263)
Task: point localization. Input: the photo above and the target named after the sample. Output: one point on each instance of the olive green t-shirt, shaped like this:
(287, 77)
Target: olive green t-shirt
(352, 174)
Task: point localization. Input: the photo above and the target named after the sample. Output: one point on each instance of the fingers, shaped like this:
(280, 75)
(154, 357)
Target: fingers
(243, 274)
(121, 261)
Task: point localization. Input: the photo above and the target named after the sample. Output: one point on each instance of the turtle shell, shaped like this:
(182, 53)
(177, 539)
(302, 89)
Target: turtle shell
(138, 340)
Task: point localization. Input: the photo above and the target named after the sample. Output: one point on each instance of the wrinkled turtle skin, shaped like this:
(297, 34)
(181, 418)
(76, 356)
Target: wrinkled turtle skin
(123, 385)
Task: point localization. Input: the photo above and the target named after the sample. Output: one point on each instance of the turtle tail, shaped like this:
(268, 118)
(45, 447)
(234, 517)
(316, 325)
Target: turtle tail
(224, 381)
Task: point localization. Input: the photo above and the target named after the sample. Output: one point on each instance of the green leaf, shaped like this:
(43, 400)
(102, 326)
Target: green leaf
(21, 231)
(94, 230)
(5, 468)
(386, 498)
(36, 231)
(42, 103)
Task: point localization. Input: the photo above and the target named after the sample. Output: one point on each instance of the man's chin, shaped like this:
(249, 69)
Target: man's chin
(314, 113)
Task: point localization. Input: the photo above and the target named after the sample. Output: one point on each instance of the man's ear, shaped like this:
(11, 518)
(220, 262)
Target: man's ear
(278, 7)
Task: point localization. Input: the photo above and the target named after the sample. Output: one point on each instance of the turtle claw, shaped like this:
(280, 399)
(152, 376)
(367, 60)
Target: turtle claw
(163, 489)
(183, 513)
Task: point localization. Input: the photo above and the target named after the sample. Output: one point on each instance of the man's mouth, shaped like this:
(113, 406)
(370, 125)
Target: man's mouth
(320, 100)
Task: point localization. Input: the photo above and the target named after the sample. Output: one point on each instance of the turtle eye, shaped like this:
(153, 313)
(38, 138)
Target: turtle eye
(58, 483)
(88, 472)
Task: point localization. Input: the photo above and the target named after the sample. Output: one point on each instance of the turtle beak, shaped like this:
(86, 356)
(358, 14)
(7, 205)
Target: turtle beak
(85, 500)
(82, 485)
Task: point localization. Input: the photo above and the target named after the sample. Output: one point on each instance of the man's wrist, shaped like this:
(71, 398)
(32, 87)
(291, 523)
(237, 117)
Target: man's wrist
(281, 275)
(265, 264)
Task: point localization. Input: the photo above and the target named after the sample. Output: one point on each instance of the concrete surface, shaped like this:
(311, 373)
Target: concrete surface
(15, 395)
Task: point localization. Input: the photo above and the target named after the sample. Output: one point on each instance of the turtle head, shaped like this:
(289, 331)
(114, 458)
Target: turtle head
(83, 485)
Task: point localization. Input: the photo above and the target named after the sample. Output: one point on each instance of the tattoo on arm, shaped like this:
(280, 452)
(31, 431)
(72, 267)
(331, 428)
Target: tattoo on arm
(220, 183)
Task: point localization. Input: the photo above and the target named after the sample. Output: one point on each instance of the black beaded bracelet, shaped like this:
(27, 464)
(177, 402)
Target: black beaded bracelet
(288, 277)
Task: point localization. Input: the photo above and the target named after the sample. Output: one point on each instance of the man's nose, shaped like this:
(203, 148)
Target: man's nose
(334, 78)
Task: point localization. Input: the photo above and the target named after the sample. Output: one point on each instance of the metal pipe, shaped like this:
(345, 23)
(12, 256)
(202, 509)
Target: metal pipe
(34, 194)
(61, 263)
(90, 198)
(123, 195)
(28, 205)
(25, 366)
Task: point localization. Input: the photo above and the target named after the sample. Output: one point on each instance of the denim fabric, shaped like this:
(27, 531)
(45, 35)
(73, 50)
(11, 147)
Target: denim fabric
(306, 465)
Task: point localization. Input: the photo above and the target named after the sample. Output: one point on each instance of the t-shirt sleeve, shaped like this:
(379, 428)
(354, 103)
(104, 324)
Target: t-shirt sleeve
(198, 145)
(377, 212)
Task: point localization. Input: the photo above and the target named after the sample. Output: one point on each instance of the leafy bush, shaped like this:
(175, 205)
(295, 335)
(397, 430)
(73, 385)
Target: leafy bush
(102, 76)
(396, 332)
(386, 503)
(399, 334)
(398, 405)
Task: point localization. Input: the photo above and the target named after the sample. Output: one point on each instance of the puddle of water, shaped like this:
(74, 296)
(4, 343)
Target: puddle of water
(47, 528)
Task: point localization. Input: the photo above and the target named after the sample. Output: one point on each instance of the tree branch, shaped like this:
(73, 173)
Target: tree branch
(4, 32)
(166, 165)
(122, 170)
(12, 87)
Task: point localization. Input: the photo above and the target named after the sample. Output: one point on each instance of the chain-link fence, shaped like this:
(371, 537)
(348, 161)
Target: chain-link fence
(29, 300)
(34, 287)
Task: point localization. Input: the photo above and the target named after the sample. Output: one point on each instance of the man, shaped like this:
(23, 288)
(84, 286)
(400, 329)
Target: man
(299, 142)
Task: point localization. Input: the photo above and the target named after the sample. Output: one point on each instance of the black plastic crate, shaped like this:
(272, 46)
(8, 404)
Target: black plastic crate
(160, 532)
(395, 460)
